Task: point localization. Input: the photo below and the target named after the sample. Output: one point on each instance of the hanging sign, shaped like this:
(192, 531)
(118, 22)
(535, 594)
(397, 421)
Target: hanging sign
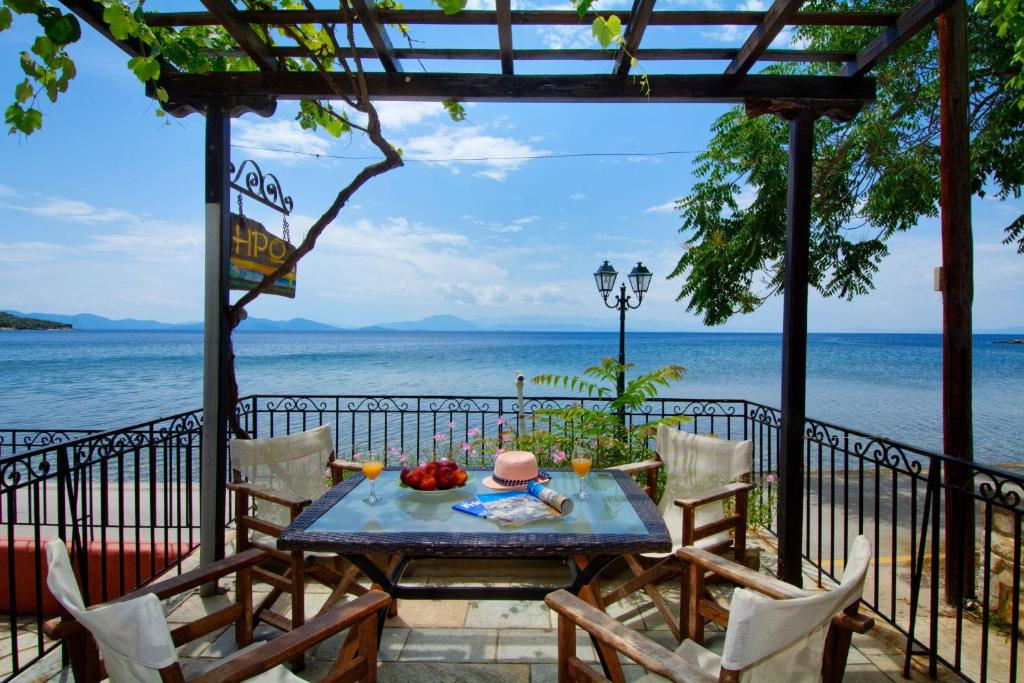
(255, 252)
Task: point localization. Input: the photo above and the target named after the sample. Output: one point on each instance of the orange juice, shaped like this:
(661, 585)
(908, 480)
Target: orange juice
(372, 469)
(581, 466)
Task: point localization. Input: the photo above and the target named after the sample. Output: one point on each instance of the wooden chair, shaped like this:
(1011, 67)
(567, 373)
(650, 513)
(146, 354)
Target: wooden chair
(774, 631)
(700, 473)
(129, 641)
(274, 479)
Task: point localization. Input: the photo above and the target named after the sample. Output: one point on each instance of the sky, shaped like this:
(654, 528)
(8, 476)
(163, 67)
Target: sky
(102, 210)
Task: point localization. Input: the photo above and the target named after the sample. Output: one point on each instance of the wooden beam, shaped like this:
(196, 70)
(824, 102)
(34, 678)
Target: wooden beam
(906, 27)
(378, 35)
(523, 18)
(583, 55)
(957, 300)
(92, 13)
(188, 89)
(794, 346)
(504, 16)
(255, 48)
(638, 18)
(775, 19)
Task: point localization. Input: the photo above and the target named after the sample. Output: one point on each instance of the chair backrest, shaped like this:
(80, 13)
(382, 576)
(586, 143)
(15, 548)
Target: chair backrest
(770, 639)
(132, 635)
(696, 464)
(293, 464)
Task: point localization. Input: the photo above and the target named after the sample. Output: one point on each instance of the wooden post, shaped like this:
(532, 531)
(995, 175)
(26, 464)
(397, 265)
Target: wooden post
(216, 334)
(957, 298)
(794, 344)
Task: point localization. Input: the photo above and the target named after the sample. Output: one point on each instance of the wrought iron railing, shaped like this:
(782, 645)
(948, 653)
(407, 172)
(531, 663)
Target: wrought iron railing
(20, 440)
(854, 484)
(125, 502)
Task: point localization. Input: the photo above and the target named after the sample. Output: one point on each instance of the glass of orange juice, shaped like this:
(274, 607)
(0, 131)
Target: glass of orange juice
(372, 465)
(581, 466)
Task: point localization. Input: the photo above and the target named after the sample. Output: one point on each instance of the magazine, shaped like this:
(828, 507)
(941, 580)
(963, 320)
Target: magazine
(517, 507)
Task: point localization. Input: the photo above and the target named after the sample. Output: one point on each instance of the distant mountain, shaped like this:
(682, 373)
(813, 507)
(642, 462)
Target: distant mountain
(88, 321)
(434, 323)
(17, 322)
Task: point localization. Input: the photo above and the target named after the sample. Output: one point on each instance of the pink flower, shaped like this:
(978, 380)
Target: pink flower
(451, 424)
(472, 451)
(501, 420)
(394, 451)
(559, 456)
(770, 479)
(404, 457)
(357, 456)
(464, 446)
(473, 431)
(440, 437)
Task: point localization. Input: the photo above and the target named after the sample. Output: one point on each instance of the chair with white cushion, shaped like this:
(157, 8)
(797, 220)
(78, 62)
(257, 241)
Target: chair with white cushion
(774, 631)
(274, 479)
(129, 641)
(700, 473)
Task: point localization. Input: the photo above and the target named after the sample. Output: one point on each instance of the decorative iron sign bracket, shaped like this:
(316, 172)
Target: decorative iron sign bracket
(266, 189)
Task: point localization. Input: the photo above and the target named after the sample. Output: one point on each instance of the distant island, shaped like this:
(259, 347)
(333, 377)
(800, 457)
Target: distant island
(16, 322)
(1009, 341)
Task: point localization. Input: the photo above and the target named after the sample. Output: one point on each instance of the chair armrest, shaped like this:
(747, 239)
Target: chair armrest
(345, 466)
(285, 647)
(739, 574)
(197, 577)
(711, 496)
(635, 467)
(645, 652)
(60, 628)
(279, 497)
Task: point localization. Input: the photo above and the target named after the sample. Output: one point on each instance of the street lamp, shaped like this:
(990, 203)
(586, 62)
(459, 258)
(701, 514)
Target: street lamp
(639, 280)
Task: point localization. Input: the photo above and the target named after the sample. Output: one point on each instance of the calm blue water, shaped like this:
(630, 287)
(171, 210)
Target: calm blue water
(886, 384)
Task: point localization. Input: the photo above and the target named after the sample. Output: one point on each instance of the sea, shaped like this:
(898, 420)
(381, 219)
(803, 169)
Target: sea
(881, 384)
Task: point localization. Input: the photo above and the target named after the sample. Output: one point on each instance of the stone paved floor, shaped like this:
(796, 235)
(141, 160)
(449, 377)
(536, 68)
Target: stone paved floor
(474, 641)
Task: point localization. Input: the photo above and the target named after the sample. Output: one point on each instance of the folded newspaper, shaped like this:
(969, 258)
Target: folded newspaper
(518, 507)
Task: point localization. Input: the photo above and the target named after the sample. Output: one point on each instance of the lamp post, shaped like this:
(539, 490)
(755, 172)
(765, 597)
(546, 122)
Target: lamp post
(639, 280)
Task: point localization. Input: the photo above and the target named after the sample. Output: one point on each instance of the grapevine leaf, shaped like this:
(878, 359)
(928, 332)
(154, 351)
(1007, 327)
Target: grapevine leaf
(607, 30)
(23, 92)
(64, 30)
(144, 68)
(455, 109)
(161, 95)
(583, 6)
(45, 48)
(451, 7)
(25, 6)
(5, 18)
(119, 21)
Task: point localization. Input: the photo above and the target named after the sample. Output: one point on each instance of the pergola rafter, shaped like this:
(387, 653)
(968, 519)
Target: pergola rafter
(378, 35)
(799, 99)
(254, 47)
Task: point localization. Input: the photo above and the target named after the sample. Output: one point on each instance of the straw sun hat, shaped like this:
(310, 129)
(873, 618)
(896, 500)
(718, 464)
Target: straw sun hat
(513, 470)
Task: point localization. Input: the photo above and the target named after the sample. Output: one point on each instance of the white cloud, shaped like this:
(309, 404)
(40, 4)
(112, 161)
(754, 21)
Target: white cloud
(6, 191)
(578, 196)
(73, 210)
(667, 207)
(278, 140)
(182, 244)
(567, 37)
(398, 115)
(453, 147)
(526, 220)
(507, 228)
(30, 252)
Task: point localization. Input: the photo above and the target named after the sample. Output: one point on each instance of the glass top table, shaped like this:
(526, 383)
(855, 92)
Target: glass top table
(618, 518)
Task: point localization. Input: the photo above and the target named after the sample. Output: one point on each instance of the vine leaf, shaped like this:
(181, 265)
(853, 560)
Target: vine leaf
(607, 31)
(5, 18)
(23, 92)
(451, 7)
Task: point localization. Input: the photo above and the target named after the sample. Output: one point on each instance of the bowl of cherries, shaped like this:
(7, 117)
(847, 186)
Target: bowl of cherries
(435, 477)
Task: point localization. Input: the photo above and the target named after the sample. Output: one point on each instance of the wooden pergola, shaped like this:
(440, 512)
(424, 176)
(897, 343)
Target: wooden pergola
(799, 99)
